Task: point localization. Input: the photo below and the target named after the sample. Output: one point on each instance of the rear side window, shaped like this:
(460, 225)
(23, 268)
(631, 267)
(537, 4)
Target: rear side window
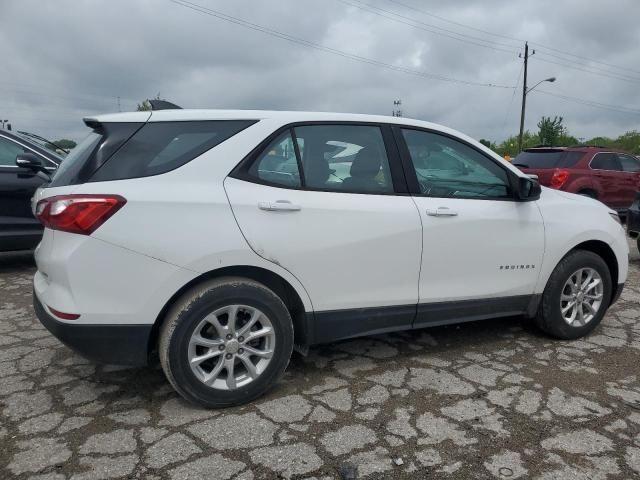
(547, 159)
(606, 161)
(159, 147)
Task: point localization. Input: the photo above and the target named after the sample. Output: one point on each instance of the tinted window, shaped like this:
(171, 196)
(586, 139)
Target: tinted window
(448, 168)
(68, 170)
(278, 164)
(606, 161)
(629, 164)
(547, 159)
(159, 147)
(8, 152)
(344, 158)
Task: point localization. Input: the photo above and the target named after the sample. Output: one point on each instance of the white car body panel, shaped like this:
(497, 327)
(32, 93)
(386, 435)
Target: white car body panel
(349, 250)
(345, 251)
(463, 254)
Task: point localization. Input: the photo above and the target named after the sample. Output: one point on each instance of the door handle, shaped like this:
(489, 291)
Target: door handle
(279, 206)
(441, 212)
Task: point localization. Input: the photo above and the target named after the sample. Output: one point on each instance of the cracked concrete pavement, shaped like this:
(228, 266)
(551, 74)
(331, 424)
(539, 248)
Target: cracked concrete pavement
(492, 399)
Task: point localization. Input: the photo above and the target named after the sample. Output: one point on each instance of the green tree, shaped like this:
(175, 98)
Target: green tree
(146, 105)
(487, 143)
(550, 130)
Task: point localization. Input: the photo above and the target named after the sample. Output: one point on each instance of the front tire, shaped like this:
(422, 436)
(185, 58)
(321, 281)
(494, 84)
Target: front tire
(226, 342)
(576, 297)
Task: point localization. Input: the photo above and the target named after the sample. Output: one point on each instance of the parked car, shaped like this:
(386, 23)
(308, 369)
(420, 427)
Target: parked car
(222, 239)
(611, 176)
(19, 229)
(633, 220)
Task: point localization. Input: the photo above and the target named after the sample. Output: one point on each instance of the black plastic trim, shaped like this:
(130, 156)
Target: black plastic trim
(332, 325)
(112, 344)
(442, 313)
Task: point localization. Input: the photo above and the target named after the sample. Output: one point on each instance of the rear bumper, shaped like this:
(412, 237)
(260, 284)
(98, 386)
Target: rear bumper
(113, 344)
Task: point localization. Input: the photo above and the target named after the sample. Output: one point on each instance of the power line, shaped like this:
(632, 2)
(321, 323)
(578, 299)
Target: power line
(429, 27)
(625, 79)
(591, 103)
(506, 113)
(317, 46)
(538, 46)
(415, 9)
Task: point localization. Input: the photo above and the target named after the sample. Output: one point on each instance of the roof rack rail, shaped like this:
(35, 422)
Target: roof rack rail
(163, 105)
(582, 145)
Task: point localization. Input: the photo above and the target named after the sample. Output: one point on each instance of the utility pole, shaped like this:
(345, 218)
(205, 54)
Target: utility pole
(396, 105)
(119, 109)
(524, 92)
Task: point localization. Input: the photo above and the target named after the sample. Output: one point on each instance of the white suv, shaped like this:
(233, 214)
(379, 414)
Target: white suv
(222, 239)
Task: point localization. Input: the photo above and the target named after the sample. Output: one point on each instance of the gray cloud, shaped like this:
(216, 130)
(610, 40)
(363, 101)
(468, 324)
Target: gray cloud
(67, 59)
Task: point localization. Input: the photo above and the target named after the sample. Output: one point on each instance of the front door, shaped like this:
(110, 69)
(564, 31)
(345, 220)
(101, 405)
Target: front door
(18, 227)
(482, 249)
(322, 202)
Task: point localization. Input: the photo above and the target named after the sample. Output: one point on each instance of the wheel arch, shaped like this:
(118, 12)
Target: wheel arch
(605, 252)
(270, 279)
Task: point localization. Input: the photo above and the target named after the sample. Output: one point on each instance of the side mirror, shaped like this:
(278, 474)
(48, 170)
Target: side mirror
(34, 163)
(528, 189)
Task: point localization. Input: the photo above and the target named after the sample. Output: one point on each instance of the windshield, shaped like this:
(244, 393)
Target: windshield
(75, 160)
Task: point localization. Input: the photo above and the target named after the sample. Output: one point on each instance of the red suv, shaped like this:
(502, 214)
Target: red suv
(611, 176)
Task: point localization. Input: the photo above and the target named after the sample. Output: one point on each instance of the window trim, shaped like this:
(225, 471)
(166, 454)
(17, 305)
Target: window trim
(35, 152)
(604, 169)
(412, 177)
(398, 178)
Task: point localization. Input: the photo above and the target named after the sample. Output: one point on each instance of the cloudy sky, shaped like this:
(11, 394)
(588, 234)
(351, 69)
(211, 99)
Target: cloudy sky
(446, 61)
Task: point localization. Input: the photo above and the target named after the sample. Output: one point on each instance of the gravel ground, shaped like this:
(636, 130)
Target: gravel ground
(492, 399)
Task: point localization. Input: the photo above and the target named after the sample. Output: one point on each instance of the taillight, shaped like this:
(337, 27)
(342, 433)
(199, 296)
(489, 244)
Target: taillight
(81, 214)
(559, 178)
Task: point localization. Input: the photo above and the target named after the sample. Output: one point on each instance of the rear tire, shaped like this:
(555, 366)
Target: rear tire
(559, 295)
(238, 367)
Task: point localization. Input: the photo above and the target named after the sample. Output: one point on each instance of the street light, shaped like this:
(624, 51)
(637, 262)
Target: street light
(525, 91)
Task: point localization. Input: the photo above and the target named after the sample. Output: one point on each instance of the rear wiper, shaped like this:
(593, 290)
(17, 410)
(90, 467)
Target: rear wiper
(521, 165)
(42, 139)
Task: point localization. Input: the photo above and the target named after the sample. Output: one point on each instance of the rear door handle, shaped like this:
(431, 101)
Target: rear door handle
(441, 212)
(279, 206)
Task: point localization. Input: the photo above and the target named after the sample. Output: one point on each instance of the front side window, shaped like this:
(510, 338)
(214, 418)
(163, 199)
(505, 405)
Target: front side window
(8, 152)
(344, 158)
(629, 164)
(278, 164)
(448, 168)
(606, 161)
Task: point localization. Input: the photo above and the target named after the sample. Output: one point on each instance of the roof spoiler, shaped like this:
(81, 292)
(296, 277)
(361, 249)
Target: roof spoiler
(163, 105)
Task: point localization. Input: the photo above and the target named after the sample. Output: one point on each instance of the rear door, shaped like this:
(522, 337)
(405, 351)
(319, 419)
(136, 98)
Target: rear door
(631, 168)
(611, 180)
(18, 227)
(328, 202)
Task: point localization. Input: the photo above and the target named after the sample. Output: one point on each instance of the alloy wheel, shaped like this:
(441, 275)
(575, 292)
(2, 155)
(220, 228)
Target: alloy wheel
(231, 347)
(581, 297)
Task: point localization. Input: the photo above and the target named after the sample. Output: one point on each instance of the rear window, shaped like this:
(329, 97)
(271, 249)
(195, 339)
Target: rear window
(547, 159)
(159, 147)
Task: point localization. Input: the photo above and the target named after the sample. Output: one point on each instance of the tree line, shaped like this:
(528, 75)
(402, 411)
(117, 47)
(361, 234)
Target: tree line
(552, 132)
